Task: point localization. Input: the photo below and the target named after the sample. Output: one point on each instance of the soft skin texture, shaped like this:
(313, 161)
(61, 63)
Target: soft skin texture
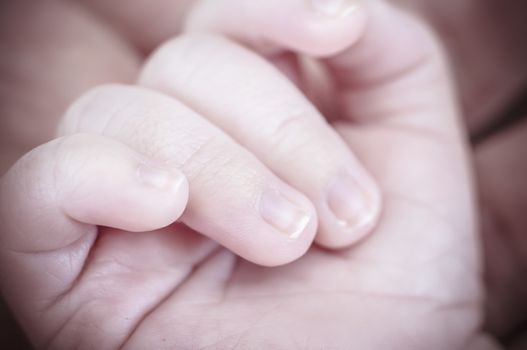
(228, 185)
(485, 91)
(484, 41)
(486, 45)
(290, 129)
(274, 122)
(496, 74)
(174, 288)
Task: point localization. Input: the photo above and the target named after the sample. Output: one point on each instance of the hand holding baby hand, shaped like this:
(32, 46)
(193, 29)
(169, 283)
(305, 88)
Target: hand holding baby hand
(172, 287)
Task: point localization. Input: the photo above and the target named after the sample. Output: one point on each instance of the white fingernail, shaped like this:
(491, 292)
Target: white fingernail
(283, 215)
(352, 205)
(334, 8)
(160, 179)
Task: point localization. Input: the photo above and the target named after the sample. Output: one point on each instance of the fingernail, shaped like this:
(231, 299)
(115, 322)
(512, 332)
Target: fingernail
(160, 179)
(353, 206)
(282, 214)
(334, 8)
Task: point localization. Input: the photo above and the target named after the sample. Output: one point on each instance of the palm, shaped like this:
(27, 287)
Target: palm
(414, 282)
(175, 288)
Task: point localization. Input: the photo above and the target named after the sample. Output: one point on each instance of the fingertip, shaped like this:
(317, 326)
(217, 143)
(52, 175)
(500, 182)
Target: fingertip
(318, 28)
(338, 236)
(330, 26)
(285, 228)
(286, 250)
(106, 183)
(172, 188)
(350, 210)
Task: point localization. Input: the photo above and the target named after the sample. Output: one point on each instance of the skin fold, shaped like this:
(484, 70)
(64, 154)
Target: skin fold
(142, 287)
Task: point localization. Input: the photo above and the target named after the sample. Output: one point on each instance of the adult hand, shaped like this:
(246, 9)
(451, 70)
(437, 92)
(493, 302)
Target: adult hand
(485, 40)
(166, 289)
(499, 158)
(501, 161)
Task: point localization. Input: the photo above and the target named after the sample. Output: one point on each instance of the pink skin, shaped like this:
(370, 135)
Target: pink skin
(173, 288)
(485, 41)
(219, 306)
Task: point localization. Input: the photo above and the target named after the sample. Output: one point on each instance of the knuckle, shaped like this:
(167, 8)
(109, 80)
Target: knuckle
(184, 60)
(203, 157)
(292, 133)
(90, 104)
(218, 161)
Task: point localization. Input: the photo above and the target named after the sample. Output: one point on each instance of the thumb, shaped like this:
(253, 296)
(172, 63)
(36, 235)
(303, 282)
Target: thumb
(51, 200)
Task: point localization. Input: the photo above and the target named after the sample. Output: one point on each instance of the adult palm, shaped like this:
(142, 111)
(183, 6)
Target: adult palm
(413, 284)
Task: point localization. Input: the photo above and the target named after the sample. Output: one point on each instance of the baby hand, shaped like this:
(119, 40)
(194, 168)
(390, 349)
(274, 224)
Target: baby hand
(230, 162)
(172, 288)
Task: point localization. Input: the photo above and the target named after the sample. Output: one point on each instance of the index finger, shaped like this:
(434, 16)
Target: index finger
(248, 98)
